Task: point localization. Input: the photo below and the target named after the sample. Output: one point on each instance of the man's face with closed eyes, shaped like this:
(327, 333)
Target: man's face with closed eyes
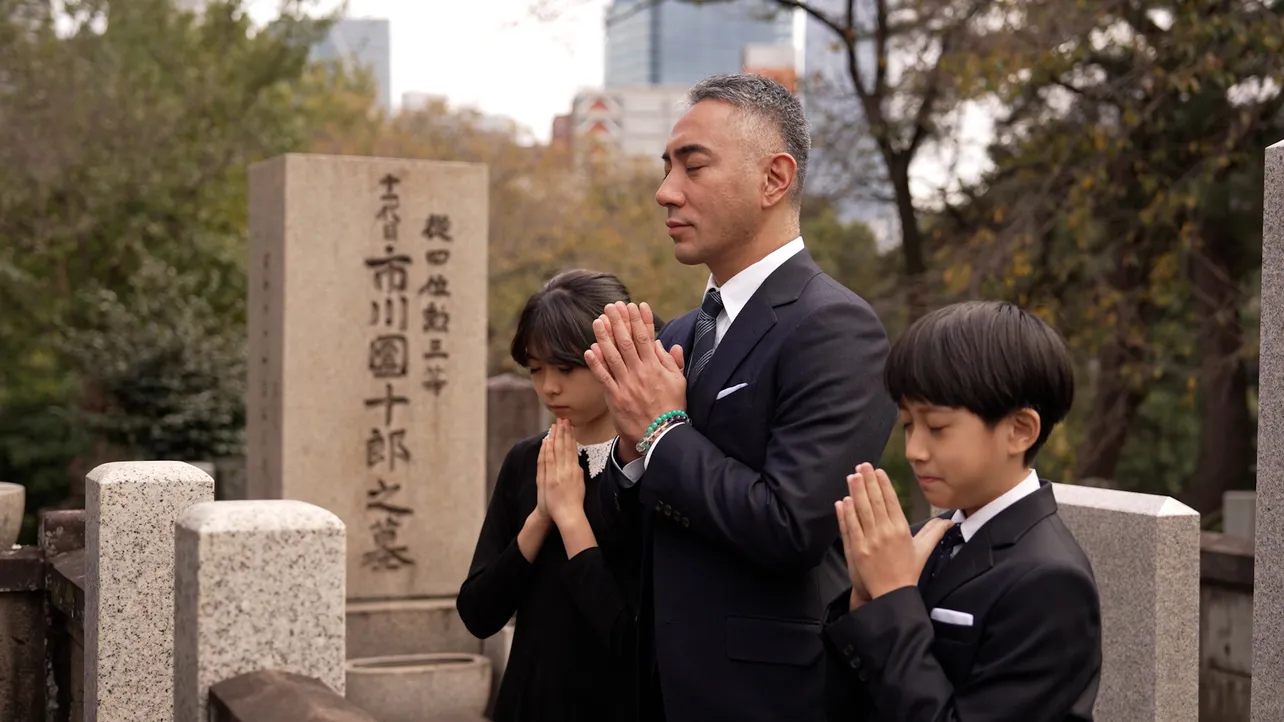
(711, 189)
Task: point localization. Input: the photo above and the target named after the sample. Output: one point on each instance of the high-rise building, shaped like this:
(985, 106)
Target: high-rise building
(365, 43)
(678, 43)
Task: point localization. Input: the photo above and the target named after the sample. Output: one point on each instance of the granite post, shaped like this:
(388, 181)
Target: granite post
(130, 510)
(1144, 551)
(259, 586)
(1268, 573)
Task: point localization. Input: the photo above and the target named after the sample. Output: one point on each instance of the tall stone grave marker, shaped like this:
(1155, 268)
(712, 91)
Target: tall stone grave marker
(367, 388)
(1268, 571)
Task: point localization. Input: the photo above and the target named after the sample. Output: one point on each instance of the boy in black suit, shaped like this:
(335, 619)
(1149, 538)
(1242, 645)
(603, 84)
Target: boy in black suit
(989, 612)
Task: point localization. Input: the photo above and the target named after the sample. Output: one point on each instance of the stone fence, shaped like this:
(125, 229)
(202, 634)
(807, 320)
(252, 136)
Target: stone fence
(1225, 627)
(157, 603)
(81, 639)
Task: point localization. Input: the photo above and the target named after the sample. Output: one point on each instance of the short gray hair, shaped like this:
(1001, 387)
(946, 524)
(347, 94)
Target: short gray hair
(769, 101)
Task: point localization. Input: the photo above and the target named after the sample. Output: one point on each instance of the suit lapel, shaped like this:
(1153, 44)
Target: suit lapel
(753, 322)
(680, 332)
(977, 555)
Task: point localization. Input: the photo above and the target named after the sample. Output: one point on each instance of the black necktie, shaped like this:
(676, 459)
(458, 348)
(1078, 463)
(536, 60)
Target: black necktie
(705, 332)
(944, 551)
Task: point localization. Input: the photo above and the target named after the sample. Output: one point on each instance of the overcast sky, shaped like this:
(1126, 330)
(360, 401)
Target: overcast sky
(495, 55)
(489, 54)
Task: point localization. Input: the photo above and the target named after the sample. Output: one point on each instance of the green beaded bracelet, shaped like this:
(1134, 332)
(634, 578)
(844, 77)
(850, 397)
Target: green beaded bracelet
(644, 445)
(672, 418)
(661, 419)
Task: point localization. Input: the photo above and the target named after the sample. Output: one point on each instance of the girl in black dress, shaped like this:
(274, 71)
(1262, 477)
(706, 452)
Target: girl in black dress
(544, 553)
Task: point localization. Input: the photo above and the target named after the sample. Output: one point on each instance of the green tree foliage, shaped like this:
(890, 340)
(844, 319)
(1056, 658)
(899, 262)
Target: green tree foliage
(125, 133)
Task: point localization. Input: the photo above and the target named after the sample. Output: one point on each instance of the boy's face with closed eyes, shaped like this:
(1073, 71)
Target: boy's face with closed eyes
(961, 461)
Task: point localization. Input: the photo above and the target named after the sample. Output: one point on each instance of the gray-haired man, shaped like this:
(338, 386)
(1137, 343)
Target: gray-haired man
(783, 397)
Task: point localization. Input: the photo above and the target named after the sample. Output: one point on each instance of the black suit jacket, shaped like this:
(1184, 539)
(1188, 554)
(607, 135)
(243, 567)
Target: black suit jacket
(1032, 653)
(741, 549)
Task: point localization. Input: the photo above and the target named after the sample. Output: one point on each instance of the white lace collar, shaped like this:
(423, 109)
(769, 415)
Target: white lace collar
(597, 456)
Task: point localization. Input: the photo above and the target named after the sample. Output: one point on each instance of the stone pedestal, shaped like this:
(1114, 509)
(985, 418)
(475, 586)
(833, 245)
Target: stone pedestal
(418, 687)
(130, 510)
(407, 626)
(260, 586)
(1144, 551)
(367, 324)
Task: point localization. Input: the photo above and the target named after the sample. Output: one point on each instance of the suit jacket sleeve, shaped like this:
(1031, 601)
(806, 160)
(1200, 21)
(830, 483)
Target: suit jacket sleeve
(846, 694)
(831, 413)
(1034, 658)
(617, 498)
(499, 576)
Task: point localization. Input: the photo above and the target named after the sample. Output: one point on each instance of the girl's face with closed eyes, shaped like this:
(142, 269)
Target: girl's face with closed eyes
(570, 392)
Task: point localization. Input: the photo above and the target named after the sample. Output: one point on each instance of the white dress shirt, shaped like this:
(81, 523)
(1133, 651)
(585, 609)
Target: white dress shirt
(741, 287)
(970, 525)
(736, 292)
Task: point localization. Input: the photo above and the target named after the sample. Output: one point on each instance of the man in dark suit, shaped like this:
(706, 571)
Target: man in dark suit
(988, 613)
(778, 376)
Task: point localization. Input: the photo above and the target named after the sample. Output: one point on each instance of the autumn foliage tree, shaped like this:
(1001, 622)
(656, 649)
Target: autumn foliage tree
(1125, 202)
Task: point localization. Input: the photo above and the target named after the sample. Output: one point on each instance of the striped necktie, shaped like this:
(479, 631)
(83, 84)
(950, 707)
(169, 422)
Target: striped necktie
(705, 333)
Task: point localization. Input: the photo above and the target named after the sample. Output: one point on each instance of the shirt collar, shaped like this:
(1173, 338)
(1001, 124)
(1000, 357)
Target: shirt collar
(741, 287)
(970, 525)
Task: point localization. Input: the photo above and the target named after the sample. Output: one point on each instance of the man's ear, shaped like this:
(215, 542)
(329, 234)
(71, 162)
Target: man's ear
(778, 181)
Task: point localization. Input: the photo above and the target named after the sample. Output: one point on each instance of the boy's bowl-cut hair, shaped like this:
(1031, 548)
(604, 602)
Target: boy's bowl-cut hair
(991, 358)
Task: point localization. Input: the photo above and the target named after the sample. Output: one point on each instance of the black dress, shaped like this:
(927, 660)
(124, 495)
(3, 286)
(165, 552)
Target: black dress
(574, 646)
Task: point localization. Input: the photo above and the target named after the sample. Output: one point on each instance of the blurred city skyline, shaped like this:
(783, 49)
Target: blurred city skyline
(496, 57)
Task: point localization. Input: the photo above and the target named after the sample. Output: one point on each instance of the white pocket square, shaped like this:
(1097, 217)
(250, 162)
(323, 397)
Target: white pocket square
(949, 616)
(730, 390)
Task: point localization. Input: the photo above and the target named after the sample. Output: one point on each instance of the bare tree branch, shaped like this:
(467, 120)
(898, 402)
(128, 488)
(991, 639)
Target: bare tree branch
(880, 47)
(927, 106)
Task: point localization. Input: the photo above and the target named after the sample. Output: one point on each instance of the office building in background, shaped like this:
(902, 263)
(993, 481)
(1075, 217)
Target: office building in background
(655, 52)
(677, 43)
(633, 120)
(364, 42)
